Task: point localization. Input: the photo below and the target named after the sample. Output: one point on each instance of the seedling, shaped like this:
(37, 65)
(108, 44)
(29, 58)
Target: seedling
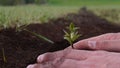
(4, 57)
(40, 36)
(72, 34)
(18, 29)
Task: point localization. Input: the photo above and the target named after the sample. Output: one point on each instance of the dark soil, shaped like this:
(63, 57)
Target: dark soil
(22, 48)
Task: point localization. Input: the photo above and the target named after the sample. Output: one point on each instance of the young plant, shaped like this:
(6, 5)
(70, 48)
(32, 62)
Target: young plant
(72, 34)
(4, 57)
(18, 29)
(40, 36)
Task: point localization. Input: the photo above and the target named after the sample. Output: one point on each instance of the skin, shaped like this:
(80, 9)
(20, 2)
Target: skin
(104, 54)
(108, 42)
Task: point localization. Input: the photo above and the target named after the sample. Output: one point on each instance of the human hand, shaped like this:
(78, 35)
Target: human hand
(71, 58)
(109, 42)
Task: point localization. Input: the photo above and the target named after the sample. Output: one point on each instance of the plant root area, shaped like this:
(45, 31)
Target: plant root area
(21, 48)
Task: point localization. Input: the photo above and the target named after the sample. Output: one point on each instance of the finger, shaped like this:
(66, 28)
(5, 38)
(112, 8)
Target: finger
(109, 45)
(63, 63)
(68, 54)
(34, 66)
(50, 64)
(43, 65)
(77, 54)
(70, 63)
(83, 44)
(49, 56)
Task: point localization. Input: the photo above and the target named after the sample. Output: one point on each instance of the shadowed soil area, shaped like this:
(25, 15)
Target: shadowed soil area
(22, 48)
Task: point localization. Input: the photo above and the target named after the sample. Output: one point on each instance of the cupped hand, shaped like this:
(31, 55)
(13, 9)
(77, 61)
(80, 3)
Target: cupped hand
(109, 42)
(71, 58)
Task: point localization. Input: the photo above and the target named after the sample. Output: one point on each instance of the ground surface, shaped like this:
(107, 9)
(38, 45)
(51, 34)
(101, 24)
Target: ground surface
(22, 48)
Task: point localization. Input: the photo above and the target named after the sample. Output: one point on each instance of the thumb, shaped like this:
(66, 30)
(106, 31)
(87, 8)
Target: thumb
(109, 45)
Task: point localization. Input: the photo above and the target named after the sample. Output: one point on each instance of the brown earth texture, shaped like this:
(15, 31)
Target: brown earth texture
(22, 48)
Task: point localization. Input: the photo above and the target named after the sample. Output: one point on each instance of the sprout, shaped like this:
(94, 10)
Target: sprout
(4, 57)
(40, 36)
(72, 35)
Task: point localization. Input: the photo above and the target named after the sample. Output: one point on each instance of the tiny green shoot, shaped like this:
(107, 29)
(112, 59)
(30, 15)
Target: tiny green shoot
(4, 57)
(72, 34)
(40, 36)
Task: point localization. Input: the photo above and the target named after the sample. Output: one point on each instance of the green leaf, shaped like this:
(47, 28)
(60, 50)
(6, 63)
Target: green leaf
(76, 37)
(68, 39)
(71, 27)
(4, 57)
(72, 35)
(66, 34)
(40, 36)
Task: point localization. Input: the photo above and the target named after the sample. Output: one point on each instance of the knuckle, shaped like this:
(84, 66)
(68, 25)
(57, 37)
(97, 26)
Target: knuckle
(101, 45)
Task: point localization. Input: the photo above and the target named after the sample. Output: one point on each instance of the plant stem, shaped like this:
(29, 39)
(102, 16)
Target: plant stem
(40, 36)
(4, 57)
(72, 45)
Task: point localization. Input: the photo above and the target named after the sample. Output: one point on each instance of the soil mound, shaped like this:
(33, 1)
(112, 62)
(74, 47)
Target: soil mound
(22, 48)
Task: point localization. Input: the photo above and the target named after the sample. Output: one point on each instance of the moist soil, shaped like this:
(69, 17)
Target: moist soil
(21, 48)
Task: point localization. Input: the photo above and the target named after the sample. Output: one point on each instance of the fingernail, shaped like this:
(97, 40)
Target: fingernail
(40, 58)
(92, 44)
(30, 66)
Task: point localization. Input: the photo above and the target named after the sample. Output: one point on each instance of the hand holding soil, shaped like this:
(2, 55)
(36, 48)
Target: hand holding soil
(72, 58)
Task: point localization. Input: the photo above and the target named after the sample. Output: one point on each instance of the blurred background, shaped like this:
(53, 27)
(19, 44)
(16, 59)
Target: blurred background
(19, 12)
(36, 24)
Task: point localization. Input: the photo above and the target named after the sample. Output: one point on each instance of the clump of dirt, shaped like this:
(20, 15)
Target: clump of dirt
(22, 48)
